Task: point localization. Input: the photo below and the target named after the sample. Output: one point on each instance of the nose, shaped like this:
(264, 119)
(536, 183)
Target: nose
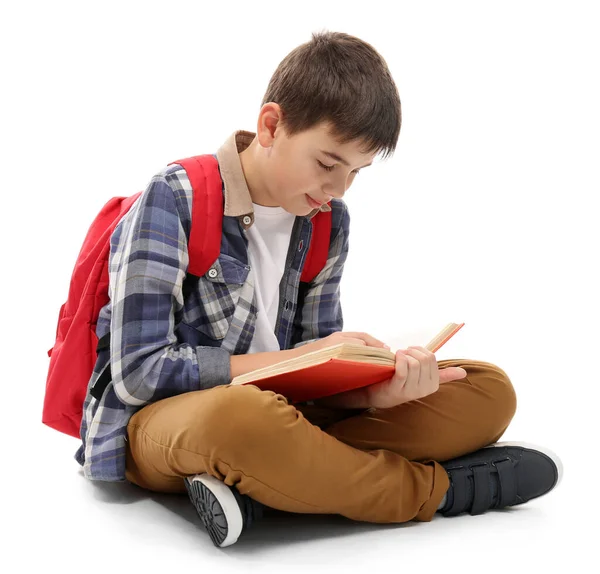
(338, 188)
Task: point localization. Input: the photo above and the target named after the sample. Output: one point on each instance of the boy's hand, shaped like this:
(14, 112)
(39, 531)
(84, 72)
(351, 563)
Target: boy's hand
(353, 337)
(417, 375)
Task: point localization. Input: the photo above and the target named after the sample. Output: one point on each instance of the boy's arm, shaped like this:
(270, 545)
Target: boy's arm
(147, 266)
(319, 312)
(242, 364)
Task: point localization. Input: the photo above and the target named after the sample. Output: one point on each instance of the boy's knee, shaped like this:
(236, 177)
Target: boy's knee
(238, 414)
(497, 386)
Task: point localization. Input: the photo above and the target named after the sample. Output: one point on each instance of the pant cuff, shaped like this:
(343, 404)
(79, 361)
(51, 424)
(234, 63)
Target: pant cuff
(441, 483)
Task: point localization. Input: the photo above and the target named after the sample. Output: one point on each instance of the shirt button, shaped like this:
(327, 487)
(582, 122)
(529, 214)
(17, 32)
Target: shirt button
(301, 245)
(247, 220)
(287, 305)
(213, 273)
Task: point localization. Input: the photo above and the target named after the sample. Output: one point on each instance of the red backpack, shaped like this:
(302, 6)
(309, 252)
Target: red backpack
(73, 356)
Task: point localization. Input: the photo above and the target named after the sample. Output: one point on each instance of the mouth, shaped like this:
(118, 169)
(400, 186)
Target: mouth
(314, 204)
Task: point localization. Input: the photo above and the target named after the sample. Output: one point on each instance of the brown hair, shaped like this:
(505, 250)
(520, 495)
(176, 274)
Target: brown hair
(343, 80)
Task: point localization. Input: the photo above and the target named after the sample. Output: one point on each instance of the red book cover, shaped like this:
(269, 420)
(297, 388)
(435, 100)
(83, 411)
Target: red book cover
(325, 379)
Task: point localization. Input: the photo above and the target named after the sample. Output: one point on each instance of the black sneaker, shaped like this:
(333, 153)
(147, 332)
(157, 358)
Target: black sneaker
(502, 474)
(223, 510)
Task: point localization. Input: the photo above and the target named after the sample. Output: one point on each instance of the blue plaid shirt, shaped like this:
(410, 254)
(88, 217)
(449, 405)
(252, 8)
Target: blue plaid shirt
(171, 335)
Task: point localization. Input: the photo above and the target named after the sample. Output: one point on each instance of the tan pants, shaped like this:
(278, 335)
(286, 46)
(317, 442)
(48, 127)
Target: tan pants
(373, 465)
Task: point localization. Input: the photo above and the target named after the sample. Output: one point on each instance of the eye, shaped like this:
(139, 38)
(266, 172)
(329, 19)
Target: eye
(330, 167)
(326, 167)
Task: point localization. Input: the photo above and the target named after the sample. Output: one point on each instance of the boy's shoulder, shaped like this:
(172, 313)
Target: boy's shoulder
(173, 174)
(172, 180)
(176, 177)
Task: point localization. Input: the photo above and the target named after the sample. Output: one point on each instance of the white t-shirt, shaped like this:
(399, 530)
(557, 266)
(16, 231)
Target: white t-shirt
(268, 244)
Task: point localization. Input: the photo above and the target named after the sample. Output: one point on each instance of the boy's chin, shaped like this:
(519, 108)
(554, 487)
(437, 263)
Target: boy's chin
(297, 208)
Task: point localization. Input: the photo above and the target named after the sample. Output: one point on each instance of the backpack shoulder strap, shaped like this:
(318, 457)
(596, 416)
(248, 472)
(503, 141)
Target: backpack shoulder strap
(318, 250)
(204, 244)
(207, 221)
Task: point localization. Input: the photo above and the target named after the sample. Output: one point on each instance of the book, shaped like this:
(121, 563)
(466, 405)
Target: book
(334, 369)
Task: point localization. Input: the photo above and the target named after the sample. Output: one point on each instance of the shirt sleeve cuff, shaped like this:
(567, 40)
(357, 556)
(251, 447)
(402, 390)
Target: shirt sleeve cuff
(215, 366)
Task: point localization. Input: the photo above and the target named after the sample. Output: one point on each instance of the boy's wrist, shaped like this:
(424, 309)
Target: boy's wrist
(246, 363)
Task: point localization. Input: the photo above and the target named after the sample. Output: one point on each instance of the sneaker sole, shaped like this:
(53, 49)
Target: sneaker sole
(217, 507)
(544, 450)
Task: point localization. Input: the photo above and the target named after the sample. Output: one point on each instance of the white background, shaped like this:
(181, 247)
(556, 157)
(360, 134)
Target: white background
(486, 214)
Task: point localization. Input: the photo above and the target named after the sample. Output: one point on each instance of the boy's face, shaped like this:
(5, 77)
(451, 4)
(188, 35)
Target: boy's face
(298, 167)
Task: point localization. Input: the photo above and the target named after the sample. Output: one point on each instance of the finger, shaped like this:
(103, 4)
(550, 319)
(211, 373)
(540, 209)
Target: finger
(431, 359)
(424, 350)
(369, 339)
(450, 374)
(423, 356)
(373, 341)
(353, 337)
(413, 370)
(430, 355)
(355, 341)
(401, 367)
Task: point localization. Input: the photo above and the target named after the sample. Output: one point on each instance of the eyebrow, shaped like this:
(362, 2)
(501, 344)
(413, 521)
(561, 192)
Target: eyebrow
(336, 157)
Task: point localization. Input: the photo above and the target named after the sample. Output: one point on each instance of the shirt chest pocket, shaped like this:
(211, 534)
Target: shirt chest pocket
(210, 301)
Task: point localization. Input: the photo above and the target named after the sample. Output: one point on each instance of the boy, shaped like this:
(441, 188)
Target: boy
(170, 422)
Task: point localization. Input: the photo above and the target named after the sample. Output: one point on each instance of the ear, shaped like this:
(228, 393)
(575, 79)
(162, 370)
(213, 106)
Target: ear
(269, 122)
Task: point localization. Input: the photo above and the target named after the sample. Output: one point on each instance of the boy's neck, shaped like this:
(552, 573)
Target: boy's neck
(250, 160)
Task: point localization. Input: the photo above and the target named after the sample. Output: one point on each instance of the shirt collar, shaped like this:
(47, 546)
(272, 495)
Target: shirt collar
(238, 201)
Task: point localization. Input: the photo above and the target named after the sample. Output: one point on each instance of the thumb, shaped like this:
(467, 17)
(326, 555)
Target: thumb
(452, 374)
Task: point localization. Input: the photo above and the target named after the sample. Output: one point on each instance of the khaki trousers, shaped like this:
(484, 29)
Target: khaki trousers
(372, 465)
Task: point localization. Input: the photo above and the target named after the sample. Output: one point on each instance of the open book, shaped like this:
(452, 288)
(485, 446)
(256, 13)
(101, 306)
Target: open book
(333, 370)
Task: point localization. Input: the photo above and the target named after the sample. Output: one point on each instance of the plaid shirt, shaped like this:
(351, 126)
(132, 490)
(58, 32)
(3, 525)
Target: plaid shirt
(171, 335)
